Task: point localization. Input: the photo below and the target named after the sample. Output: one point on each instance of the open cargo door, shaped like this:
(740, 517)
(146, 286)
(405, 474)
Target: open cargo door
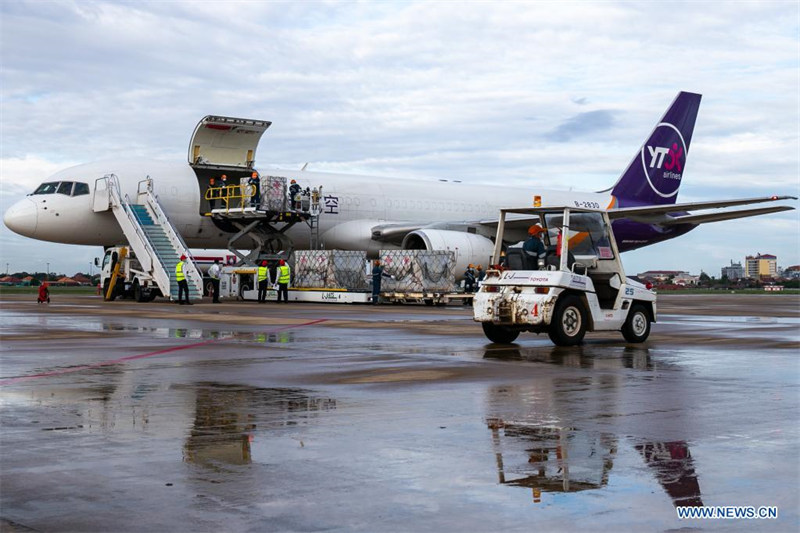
(226, 142)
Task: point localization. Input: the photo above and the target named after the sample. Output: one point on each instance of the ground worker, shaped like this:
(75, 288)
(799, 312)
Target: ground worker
(44, 294)
(213, 273)
(469, 279)
(377, 274)
(183, 285)
(284, 275)
(480, 274)
(263, 282)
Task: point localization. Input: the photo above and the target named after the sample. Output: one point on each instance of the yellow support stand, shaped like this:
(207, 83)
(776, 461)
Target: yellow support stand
(122, 253)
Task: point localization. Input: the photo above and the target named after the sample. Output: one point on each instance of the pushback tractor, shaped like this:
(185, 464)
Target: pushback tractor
(576, 285)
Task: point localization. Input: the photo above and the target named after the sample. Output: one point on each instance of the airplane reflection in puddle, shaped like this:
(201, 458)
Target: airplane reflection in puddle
(569, 460)
(535, 448)
(228, 417)
(559, 459)
(674, 469)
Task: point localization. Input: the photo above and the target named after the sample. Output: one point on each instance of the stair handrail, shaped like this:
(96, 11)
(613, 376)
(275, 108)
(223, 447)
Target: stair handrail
(192, 272)
(116, 198)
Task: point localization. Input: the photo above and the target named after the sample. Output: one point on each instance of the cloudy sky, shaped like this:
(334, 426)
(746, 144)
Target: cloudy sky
(545, 94)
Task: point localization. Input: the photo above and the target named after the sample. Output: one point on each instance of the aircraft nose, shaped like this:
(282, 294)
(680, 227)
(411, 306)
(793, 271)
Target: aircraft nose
(22, 217)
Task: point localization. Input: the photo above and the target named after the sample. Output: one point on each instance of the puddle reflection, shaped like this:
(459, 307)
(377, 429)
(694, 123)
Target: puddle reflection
(539, 443)
(585, 356)
(170, 333)
(228, 419)
(673, 467)
(282, 337)
(558, 459)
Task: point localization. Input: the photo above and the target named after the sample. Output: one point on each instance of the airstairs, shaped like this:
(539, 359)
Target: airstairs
(153, 238)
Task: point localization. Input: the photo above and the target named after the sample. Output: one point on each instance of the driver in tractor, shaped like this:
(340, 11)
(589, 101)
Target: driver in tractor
(534, 249)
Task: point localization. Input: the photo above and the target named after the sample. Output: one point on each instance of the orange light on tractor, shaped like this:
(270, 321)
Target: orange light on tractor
(537, 201)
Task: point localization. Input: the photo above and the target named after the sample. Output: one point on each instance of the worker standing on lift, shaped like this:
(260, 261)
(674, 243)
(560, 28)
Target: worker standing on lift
(223, 192)
(211, 193)
(263, 282)
(294, 191)
(255, 183)
(284, 275)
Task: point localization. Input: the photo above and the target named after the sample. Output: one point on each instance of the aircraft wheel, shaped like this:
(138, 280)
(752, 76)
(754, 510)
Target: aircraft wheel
(569, 322)
(499, 334)
(637, 325)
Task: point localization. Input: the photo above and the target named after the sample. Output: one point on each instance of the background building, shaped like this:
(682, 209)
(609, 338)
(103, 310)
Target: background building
(792, 272)
(733, 272)
(761, 266)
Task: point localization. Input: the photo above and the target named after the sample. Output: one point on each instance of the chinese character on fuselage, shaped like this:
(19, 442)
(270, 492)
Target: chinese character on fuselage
(332, 204)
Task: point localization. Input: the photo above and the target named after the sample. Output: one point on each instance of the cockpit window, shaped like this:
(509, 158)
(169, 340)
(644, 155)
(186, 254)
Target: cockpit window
(80, 188)
(47, 188)
(65, 188)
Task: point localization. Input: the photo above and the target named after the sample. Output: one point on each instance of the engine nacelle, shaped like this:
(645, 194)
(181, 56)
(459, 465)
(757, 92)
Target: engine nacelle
(467, 247)
(354, 235)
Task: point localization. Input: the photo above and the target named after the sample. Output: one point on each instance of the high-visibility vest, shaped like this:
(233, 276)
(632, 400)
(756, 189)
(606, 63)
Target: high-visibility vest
(263, 273)
(283, 274)
(179, 271)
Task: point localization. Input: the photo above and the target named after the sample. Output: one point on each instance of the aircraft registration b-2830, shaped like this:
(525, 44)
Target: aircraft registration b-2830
(374, 213)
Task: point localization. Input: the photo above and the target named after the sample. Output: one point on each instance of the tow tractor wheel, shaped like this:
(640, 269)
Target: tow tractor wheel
(138, 293)
(499, 334)
(569, 322)
(637, 325)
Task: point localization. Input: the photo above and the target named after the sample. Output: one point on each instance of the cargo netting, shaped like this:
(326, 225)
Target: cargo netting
(418, 270)
(330, 269)
(414, 270)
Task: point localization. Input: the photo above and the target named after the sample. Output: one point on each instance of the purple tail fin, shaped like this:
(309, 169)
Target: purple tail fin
(654, 175)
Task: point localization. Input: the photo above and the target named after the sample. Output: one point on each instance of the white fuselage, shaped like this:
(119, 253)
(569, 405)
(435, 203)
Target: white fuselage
(352, 205)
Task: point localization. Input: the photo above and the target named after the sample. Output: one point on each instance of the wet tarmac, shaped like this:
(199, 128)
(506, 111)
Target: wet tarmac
(303, 417)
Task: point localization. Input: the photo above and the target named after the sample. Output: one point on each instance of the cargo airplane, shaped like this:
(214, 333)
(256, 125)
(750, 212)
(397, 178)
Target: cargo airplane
(374, 213)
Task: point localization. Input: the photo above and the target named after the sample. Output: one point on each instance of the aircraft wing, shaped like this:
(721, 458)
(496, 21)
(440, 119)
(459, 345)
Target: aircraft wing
(726, 215)
(661, 215)
(655, 214)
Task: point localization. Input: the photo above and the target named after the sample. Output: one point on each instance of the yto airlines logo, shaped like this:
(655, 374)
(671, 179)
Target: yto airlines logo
(663, 159)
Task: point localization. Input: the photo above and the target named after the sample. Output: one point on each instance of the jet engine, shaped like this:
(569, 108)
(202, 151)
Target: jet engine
(467, 247)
